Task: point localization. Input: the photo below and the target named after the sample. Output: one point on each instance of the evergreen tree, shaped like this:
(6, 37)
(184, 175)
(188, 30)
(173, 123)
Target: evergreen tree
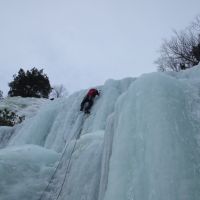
(33, 83)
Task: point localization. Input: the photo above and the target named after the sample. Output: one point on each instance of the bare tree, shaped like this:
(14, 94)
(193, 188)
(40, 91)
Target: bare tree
(1, 95)
(182, 45)
(181, 49)
(196, 24)
(167, 63)
(58, 91)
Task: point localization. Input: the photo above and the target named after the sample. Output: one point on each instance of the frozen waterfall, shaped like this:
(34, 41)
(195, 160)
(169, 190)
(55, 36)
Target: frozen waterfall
(140, 142)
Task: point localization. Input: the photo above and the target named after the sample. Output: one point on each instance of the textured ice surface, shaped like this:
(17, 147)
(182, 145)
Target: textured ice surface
(141, 142)
(24, 170)
(155, 154)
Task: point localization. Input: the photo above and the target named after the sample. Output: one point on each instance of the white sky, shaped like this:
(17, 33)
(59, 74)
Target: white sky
(82, 43)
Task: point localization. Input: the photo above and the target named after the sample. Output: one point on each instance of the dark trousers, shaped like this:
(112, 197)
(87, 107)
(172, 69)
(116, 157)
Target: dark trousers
(89, 101)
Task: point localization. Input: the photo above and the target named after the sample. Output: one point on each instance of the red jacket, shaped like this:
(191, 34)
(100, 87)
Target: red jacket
(92, 92)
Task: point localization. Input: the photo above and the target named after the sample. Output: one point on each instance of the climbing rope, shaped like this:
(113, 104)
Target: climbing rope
(60, 162)
(56, 169)
(67, 170)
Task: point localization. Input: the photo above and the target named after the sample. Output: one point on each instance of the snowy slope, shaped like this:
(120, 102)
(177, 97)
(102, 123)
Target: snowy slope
(27, 107)
(141, 142)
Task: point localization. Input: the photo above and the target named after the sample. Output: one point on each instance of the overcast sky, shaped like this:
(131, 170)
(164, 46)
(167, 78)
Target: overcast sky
(82, 43)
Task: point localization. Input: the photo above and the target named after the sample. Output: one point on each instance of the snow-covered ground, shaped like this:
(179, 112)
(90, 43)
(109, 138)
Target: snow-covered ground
(27, 107)
(141, 142)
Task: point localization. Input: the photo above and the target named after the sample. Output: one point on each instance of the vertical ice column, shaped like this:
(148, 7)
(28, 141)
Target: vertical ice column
(155, 155)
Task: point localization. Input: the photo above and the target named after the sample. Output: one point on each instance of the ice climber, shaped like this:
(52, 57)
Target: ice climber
(88, 100)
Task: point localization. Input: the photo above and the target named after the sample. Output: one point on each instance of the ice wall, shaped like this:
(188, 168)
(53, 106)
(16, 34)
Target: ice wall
(58, 121)
(55, 127)
(141, 142)
(24, 170)
(155, 154)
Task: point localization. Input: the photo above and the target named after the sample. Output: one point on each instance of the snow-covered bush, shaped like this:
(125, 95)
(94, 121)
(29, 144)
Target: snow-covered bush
(9, 118)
